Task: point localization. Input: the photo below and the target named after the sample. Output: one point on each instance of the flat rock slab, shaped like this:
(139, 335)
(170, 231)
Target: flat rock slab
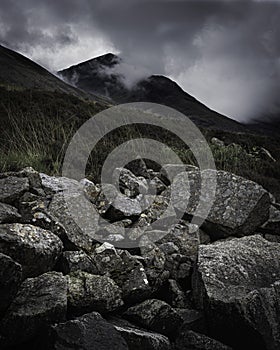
(40, 301)
(88, 332)
(237, 283)
(37, 250)
(240, 206)
(12, 188)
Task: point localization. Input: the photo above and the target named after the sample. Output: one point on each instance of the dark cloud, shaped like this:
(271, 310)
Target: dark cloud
(226, 53)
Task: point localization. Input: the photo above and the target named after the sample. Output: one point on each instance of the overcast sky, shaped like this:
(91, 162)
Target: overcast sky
(225, 53)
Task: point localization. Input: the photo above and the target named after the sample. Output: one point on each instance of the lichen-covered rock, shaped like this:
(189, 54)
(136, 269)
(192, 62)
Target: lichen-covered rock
(126, 270)
(80, 237)
(8, 214)
(196, 341)
(128, 183)
(140, 339)
(237, 283)
(87, 292)
(155, 315)
(10, 279)
(37, 250)
(123, 207)
(12, 188)
(239, 208)
(88, 332)
(71, 261)
(53, 184)
(40, 301)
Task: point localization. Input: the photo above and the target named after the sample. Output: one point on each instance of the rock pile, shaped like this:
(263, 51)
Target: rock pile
(174, 286)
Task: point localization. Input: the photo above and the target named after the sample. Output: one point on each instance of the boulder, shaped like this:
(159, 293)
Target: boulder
(40, 301)
(10, 280)
(139, 339)
(237, 283)
(155, 315)
(87, 292)
(73, 235)
(88, 332)
(188, 339)
(37, 250)
(8, 214)
(71, 261)
(239, 208)
(55, 184)
(123, 207)
(12, 188)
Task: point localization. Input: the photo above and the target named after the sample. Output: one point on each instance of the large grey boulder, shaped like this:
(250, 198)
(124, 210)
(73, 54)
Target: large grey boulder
(8, 214)
(88, 332)
(37, 250)
(87, 292)
(54, 184)
(40, 301)
(240, 206)
(155, 315)
(237, 283)
(10, 280)
(12, 188)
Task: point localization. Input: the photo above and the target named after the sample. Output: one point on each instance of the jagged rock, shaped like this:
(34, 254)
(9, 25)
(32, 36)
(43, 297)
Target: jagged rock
(128, 183)
(192, 320)
(154, 260)
(104, 199)
(237, 283)
(53, 184)
(12, 188)
(140, 339)
(40, 301)
(138, 167)
(155, 315)
(10, 279)
(196, 341)
(126, 270)
(157, 184)
(88, 332)
(8, 214)
(87, 292)
(80, 237)
(37, 250)
(71, 261)
(34, 179)
(123, 207)
(239, 208)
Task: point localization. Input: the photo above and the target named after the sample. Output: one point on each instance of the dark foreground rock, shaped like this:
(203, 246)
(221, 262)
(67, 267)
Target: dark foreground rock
(88, 332)
(237, 284)
(37, 250)
(40, 301)
(10, 279)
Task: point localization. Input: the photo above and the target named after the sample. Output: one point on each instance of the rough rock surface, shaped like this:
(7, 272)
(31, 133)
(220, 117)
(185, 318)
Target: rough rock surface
(88, 332)
(40, 301)
(11, 188)
(8, 214)
(10, 279)
(87, 292)
(240, 205)
(237, 284)
(139, 339)
(155, 315)
(37, 250)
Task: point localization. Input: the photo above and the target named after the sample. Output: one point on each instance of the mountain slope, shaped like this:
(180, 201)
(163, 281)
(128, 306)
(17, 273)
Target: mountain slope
(99, 76)
(17, 72)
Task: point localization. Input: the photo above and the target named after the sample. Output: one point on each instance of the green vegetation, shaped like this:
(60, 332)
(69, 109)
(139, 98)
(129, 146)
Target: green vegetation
(36, 127)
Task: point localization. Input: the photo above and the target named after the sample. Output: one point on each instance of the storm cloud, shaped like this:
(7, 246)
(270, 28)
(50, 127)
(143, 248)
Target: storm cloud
(225, 53)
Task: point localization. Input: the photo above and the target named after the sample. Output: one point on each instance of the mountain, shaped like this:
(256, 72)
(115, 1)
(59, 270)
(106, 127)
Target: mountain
(99, 76)
(17, 72)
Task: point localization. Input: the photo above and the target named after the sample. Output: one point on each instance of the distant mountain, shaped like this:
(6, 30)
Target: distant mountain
(97, 76)
(17, 72)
